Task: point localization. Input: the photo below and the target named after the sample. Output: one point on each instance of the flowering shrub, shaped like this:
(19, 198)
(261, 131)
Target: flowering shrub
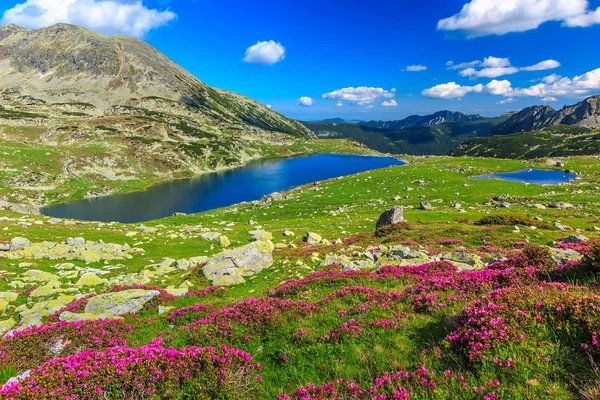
(401, 385)
(255, 316)
(207, 291)
(516, 313)
(189, 314)
(32, 346)
(328, 276)
(148, 372)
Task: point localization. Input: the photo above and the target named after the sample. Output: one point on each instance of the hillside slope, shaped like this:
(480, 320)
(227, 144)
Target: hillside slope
(69, 64)
(438, 118)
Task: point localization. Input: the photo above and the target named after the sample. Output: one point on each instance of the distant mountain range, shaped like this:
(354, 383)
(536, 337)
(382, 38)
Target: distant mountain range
(438, 118)
(585, 114)
(433, 134)
(541, 131)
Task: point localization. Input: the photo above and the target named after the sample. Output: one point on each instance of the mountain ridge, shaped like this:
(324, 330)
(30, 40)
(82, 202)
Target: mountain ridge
(68, 63)
(412, 121)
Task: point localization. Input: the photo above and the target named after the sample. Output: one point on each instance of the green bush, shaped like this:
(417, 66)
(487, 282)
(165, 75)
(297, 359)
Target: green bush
(508, 219)
(395, 229)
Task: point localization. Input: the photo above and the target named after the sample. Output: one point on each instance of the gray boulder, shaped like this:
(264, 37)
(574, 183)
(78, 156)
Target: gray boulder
(110, 305)
(391, 217)
(230, 267)
(272, 196)
(425, 205)
(19, 243)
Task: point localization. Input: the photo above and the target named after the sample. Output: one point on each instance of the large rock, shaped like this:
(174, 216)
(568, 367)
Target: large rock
(564, 256)
(19, 243)
(111, 305)
(272, 196)
(313, 238)
(391, 217)
(462, 257)
(230, 267)
(90, 279)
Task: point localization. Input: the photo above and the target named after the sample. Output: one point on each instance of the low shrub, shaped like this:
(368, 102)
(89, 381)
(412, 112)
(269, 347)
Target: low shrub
(509, 220)
(395, 229)
(148, 372)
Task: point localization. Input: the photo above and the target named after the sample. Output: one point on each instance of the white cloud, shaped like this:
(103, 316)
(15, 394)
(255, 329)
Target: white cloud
(360, 95)
(265, 53)
(492, 72)
(305, 101)
(493, 17)
(339, 104)
(451, 65)
(506, 101)
(391, 103)
(494, 67)
(269, 106)
(584, 20)
(542, 66)
(369, 106)
(451, 90)
(110, 17)
(495, 62)
(499, 87)
(552, 87)
(416, 68)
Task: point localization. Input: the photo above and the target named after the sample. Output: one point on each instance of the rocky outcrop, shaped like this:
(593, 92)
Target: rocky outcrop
(71, 249)
(230, 267)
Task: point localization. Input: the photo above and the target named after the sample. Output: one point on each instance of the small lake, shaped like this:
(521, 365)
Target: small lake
(539, 176)
(218, 189)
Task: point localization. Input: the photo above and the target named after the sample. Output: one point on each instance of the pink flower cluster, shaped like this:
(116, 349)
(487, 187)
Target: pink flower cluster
(148, 372)
(32, 346)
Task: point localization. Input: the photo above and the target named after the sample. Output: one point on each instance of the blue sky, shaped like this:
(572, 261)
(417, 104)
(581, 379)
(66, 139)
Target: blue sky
(321, 51)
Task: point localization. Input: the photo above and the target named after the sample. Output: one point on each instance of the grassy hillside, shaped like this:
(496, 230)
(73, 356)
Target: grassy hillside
(434, 140)
(415, 327)
(555, 141)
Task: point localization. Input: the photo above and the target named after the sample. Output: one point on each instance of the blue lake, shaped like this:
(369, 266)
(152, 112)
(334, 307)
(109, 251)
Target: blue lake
(219, 189)
(539, 176)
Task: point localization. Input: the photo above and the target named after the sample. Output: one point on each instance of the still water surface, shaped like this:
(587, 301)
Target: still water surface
(219, 189)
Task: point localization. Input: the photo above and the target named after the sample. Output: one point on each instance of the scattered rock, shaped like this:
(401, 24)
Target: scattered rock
(574, 239)
(561, 205)
(313, 238)
(272, 196)
(425, 205)
(230, 267)
(114, 304)
(391, 217)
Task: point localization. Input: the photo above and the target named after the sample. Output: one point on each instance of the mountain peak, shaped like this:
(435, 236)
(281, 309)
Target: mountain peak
(68, 63)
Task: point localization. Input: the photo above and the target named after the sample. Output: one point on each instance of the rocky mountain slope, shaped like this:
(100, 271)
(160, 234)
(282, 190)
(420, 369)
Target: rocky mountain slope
(541, 131)
(585, 114)
(440, 117)
(69, 64)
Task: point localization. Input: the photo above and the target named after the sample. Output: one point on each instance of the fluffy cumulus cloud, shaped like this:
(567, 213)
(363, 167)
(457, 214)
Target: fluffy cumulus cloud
(391, 103)
(493, 17)
(549, 89)
(265, 53)
(416, 68)
(305, 101)
(360, 95)
(494, 67)
(110, 17)
(451, 90)
(542, 66)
